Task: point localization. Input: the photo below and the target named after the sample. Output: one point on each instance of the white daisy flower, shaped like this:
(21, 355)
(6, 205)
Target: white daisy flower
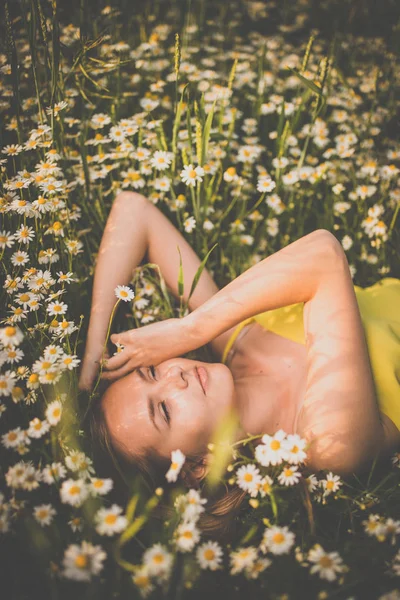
(277, 540)
(275, 452)
(82, 562)
(13, 438)
(265, 184)
(187, 536)
(53, 412)
(76, 524)
(6, 239)
(189, 224)
(248, 479)
(193, 505)
(265, 486)
(289, 476)
(44, 514)
(326, 564)
(7, 383)
(38, 428)
(31, 478)
(20, 257)
(295, 445)
(331, 483)
(123, 292)
(69, 362)
(374, 526)
(142, 580)
(11, 336)
(73, 491)
(100, 486)
(158, 561)
(209, 556)
(242, 558)
(110, 521)
(50, 377)
(161, 160)
(57, 308)
(312, 482)
(177, 460)
(53, 472)
(13, 355)
(25, 234)
(259, 565)
(191, 175)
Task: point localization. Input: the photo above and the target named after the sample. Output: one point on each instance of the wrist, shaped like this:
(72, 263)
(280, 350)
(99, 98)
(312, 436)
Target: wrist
(194, 330)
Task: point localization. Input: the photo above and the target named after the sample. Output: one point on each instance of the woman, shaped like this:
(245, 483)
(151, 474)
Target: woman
(318, 384)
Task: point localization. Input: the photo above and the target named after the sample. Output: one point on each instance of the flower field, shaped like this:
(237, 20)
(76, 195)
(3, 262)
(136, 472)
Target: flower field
(249, 124)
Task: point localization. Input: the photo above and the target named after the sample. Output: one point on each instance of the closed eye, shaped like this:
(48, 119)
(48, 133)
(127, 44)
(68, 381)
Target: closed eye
(166, 412)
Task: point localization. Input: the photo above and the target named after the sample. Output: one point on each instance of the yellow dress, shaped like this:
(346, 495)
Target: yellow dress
(379, 307)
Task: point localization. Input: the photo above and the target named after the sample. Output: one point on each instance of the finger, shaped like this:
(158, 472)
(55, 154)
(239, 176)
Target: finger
(112, 375)
(117, 361)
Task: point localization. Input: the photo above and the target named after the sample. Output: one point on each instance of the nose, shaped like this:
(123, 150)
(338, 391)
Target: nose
(175, 374)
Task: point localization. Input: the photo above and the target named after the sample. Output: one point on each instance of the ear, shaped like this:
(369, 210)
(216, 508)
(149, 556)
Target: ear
(194, 470)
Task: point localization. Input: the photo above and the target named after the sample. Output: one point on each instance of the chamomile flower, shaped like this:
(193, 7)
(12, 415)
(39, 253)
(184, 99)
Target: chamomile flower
(161, 160)
(327, 564)
(272, 451)
(278, 540)
(158, 561)
(20, 257)
(312, 482)
(258, 566)
(82, 562)
(289, 476)
(100, 486)
(44, 514)
(142, 580)
(177, 460)
(6, 239)
(265, 184)
(25, 234)
(242, 558)
(53, 412)
(57, 308)
(187, 536)
(7, 383)
(374, 526)
(331, 483)
(295, 445)
(248, 479)
(209, 556)
(53, 472)
(110, 521)
(124, 293)
(191, 175)
(11, 336)
(69, 362)
(189, 224)
(74, 492)
(12, 438)
(38, 428)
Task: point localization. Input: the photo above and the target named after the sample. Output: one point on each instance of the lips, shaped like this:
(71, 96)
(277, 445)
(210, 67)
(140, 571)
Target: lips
(198, 377)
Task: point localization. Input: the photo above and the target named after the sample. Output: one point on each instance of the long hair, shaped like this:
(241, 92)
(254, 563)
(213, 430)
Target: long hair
(223, 503)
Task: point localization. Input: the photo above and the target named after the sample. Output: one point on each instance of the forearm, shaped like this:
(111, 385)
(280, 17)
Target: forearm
(122, 248)
(287, 277)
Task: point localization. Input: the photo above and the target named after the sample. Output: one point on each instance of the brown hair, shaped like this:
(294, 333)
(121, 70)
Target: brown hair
(223, 504)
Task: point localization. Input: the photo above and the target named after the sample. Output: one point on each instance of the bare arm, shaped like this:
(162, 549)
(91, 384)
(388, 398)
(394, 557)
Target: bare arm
(289, 276)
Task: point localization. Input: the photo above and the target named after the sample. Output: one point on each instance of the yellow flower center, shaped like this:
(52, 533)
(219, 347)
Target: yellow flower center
(98, 483)
(192, 174)
(12, 436)
(288, 472)
(75, 489)
(248, 477)
(3, 384)
(278, 538)
(10, 331)
(209, 554)
(123, 293)
(56, 412)
(142, 581)
(24, 297)
(33, 378)
(57, 226)
(325, 562)
(188, 535)
(158, 558)
(81, 561)
(110, 519)
(275, 445)
(174, 466)
(330, 485)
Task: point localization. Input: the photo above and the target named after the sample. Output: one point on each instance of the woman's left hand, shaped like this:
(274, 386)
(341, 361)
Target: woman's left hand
(150, 345)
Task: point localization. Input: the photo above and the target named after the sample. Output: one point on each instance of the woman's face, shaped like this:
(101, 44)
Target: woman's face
(169, 411)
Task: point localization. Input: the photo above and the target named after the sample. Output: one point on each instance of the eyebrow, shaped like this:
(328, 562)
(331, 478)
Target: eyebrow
(150, 404)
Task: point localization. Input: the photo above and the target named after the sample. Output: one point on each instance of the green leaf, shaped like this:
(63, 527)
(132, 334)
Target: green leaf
(130, 510)
(199, 272)
(222, 455)
(180, 276)
(206, 133)
(306, 82)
